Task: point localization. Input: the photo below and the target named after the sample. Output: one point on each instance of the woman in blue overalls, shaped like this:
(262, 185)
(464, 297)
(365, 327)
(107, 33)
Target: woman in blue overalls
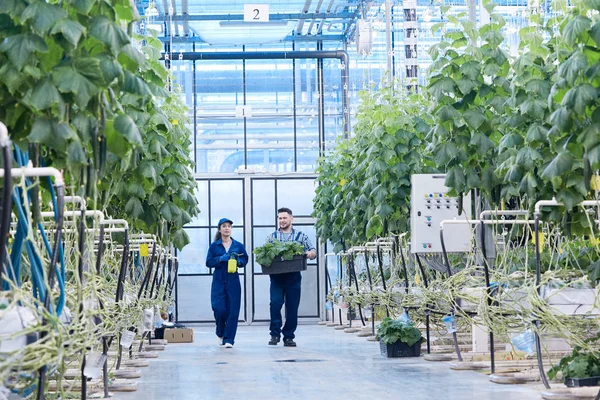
(226, 291)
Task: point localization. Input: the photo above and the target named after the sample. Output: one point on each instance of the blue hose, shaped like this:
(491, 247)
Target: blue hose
(37, 269)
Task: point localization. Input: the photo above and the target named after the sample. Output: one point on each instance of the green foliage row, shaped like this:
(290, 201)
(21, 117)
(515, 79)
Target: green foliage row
(514, 129)
(92, 98)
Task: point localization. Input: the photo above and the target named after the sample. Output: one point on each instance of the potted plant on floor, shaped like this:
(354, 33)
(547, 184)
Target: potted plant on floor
(399, 338)
(580, 368)
(280, 257)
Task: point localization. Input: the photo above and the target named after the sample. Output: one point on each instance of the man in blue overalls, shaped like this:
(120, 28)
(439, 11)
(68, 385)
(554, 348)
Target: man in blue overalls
(286, 288)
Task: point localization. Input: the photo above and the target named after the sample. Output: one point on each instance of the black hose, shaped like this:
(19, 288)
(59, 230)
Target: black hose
(538, 278)
(380, 263)
(427, 306)
(454, 337)
(371, 289)
(489, 295)
(353, 270)
(123, 269)
(6, 206)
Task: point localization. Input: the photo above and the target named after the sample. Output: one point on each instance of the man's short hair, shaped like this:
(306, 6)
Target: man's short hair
(285, 210)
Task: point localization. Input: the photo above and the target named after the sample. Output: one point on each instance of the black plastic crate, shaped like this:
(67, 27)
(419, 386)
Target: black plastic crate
(579, 382)
(281, 266)
(400, 349)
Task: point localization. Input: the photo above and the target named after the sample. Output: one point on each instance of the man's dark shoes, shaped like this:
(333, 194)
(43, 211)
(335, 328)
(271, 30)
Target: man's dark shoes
(274, 340)
(289, 342)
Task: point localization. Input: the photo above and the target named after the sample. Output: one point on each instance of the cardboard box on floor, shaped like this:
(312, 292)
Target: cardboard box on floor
(179, 335)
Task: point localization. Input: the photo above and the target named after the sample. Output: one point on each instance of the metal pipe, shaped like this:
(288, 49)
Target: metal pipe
(388, 40)
(77, 200)
(37, 171)
(427, 325)
(487, 213)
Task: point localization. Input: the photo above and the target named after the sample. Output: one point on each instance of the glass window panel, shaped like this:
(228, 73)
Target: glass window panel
(270, 130)
(202, 196)
(263, 202)
(219, 132)
(297, 195)
(192, 259)
(227, 201)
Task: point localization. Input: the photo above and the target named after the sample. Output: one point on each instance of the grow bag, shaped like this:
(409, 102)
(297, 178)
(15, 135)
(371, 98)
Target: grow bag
(281, 266)
(400, 349)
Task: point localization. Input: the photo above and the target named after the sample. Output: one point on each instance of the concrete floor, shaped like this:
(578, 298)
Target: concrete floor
(330, 365)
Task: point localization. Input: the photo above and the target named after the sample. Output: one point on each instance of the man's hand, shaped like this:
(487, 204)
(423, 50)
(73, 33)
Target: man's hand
(311, 255)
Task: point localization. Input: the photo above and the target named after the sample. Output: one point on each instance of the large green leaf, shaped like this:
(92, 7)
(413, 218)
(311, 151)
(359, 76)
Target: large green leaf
(575, 27)
(134, 57)
(89, 67)
(109, 33)
(135, 84)
(474, 118)
(481, 142)
(441, 87)
(68, 80)
(44, 15)
(561, 164)
(534, 108)
(447, 113)
(180, 239)
(20, 47)
(529, 184)
(594, 156)
(10, 77)
(561, 119)
(536, 133)
(51, 133)
(124, 125)
(374, 226)
(71, 30)
(493, 37)
(75, 154)
(527, 156)
(470, 69)
(510, 141)
(590, 136)
(111, 69)
(595, 33)
(573, 67)
(13, 8)
(455, 179)
(444, 153)
(83, 6)
(134, 207)
(465, 85)
(45, 95)
(579, 97)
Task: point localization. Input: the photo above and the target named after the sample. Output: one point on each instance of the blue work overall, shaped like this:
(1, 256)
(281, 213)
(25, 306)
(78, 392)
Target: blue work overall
(226, 291)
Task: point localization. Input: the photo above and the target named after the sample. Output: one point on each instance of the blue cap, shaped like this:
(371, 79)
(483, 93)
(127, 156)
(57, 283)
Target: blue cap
(223, 220)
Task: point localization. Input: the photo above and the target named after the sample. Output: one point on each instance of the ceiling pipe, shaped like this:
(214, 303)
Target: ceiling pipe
(300, 25)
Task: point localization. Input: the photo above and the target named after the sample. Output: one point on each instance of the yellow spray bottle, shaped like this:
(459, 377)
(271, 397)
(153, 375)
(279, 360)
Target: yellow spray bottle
(232, 264)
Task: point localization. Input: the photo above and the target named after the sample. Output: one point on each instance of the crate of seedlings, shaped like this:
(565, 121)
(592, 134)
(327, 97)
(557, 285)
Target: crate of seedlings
(281, 257)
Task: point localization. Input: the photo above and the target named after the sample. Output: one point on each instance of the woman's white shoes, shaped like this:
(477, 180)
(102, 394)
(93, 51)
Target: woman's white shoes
(220, 341)
(228, 345)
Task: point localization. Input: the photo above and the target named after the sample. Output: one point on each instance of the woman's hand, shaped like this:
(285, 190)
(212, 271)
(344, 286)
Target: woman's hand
(225, 257)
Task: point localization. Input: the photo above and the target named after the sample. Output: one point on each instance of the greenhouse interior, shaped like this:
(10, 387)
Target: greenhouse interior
(301, 199)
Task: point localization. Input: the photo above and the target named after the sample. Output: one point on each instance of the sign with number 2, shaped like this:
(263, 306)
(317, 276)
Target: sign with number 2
(256, 12)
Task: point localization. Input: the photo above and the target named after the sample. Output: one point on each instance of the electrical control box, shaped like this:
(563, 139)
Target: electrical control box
(430, 204)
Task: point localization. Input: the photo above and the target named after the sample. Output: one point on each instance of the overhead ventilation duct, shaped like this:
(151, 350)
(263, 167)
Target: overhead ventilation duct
(241, 32)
